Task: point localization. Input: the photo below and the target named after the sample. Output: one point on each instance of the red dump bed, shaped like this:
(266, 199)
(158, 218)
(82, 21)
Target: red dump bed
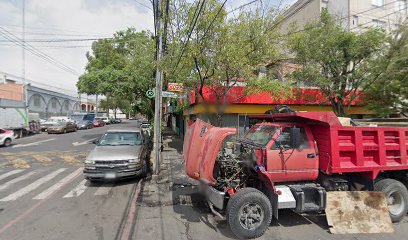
(367, 150)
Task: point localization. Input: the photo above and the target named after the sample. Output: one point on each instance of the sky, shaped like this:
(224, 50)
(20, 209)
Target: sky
(68, 19)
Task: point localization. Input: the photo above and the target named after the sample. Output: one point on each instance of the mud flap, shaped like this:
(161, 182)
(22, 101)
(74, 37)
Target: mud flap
(358, 212)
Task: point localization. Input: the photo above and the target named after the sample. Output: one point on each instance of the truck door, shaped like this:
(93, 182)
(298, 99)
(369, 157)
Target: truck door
(292, 164)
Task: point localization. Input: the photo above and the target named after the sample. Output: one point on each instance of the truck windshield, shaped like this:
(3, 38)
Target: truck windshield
(120, 138)
(261, 134)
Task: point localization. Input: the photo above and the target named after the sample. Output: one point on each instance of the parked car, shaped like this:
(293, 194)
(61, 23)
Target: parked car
(105, 119)
(118, 154)
(98, 123)
(85, 124)
(116, 120)
(63, 127)
(6, 137)
(53, 121)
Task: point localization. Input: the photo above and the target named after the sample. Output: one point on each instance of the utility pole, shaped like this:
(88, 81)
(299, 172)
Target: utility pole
(157, 103)
(23, 63)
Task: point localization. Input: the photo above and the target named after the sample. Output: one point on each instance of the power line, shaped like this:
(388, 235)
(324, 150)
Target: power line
(242, 6)
(144, 5)
(14, 39)
(20, 79)
(192, 26)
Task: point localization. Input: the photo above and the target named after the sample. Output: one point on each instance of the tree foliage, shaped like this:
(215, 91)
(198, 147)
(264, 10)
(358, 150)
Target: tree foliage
(121, 68)
(390, 93)
(341, 63)
(222, 51)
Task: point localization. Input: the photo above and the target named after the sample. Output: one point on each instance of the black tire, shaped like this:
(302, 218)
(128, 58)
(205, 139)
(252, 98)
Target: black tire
(7, 142)
(397, 197)
(144, 170)
(244, 199)
(65, 131)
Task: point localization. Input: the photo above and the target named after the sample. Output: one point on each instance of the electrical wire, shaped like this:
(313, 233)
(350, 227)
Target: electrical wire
(242, 6)
(192, 26)
(6, 34)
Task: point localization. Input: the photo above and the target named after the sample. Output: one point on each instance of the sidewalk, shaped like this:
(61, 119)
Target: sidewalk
(169, 206)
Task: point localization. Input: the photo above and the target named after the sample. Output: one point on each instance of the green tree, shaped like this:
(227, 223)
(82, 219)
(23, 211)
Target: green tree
(389, 93)
(222, 52)
(121, 68)
(337, 61)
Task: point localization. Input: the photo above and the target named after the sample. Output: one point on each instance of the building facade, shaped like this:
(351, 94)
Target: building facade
(354, 15)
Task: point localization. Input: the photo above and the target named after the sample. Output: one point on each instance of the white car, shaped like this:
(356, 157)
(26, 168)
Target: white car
(6, 137)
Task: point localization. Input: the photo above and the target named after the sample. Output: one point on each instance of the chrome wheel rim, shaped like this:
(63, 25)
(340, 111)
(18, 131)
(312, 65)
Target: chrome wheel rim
(251, 216)
(395, 203)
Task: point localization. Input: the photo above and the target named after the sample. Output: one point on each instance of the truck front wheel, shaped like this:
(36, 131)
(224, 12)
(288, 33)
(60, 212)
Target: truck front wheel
(397, 197)
(249, 213)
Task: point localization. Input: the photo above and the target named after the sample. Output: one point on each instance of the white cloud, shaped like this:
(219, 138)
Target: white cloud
(84, 18)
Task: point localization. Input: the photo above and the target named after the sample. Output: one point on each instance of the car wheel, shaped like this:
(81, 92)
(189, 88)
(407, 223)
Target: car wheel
(7, 142)
(144, 171)
(249, 213)
(397, 197)
(65, 131)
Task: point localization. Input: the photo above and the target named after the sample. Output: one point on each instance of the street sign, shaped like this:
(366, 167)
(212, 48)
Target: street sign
(150, 93)
(174, 87)
(170, 94)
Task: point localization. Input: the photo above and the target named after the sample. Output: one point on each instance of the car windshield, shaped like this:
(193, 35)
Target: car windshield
(120, 138)
(261, 134)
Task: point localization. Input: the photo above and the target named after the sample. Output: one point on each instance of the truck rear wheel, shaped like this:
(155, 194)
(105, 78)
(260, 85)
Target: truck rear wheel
(397, 197)
(249, 213)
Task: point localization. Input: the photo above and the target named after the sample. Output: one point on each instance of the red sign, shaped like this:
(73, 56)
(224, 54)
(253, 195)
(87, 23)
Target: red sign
(175, 87)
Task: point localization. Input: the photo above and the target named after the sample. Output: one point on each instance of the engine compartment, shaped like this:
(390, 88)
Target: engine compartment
(235, 167)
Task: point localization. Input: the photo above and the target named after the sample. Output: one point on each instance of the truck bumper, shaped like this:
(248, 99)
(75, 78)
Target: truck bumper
(217, 198)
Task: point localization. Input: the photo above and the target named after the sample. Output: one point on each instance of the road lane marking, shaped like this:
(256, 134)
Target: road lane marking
(18, 162)
(78, 190)
(69, 159)
(58, 185)
(42, 158)
(8, 174)
(24, 214)
(32, 186)
(15, 180)
(32, 144)
(103, 190)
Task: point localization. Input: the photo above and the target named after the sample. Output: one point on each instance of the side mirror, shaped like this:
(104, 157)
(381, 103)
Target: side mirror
(294, 137)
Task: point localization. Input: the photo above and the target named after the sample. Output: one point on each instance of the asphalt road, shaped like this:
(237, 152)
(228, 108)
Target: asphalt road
(43, 194)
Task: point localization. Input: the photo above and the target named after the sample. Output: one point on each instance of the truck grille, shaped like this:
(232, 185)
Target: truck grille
(112, 162)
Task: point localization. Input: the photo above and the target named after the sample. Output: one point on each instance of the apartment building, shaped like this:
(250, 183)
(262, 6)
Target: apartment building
(354, 15)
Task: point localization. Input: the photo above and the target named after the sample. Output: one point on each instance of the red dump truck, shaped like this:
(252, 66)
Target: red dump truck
(290, 161)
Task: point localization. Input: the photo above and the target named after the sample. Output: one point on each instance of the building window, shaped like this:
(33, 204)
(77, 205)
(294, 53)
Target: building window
(400, 5)
(66, 106)
(379, 23)
(54, 104)
(378, 3)
(36, 101)
(355, 20)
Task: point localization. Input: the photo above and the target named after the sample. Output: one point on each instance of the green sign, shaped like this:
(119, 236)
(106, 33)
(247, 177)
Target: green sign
(150, 93)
